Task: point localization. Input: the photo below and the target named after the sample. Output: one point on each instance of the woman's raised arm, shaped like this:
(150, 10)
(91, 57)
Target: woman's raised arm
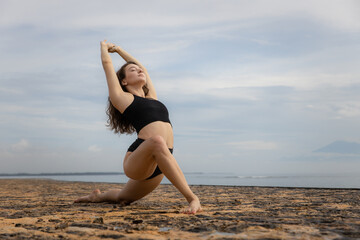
(117, 96)
(128, 58)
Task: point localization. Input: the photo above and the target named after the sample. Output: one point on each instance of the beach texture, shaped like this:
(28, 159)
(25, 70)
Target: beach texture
(44, 209)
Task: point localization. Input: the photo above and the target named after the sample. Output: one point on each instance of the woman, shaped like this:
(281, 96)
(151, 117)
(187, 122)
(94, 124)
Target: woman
(133, 106)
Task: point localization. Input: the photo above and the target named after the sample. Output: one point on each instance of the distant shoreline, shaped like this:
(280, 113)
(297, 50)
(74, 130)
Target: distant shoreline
(225, 179)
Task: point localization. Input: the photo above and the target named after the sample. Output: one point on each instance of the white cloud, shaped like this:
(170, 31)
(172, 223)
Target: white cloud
(347, 109)
(254, 145)
(161, 13)
(338, 14)
(20, 146)
(170, 46)
(10, 91)
(94, 148)
(238, 85)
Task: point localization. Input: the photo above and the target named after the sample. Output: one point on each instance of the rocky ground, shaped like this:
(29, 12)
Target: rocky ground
(44, 209)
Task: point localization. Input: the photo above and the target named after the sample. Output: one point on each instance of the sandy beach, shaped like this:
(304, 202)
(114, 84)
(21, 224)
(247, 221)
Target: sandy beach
(44, 209)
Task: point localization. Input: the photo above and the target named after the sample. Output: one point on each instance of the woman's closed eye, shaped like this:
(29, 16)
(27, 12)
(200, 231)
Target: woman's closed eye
(134, 69)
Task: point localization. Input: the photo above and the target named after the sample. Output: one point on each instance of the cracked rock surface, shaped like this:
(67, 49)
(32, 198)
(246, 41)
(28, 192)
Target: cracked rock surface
(44, 209)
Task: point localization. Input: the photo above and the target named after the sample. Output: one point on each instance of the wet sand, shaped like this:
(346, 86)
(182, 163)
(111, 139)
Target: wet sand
(44, 209)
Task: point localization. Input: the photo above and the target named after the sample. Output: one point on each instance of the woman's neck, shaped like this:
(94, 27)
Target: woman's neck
(137, 91)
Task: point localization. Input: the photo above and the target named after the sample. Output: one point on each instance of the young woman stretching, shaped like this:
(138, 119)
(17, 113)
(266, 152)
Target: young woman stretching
(133, 106)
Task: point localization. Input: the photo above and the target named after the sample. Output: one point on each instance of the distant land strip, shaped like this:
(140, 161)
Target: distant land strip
(59, 174)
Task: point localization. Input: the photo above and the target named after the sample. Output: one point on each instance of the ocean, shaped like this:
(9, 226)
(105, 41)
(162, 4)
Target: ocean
(229, 179)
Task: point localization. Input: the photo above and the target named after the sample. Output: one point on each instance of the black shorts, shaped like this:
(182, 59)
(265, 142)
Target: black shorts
(135, 145)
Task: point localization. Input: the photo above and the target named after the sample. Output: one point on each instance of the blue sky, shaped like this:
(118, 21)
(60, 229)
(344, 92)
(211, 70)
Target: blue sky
(253, 87)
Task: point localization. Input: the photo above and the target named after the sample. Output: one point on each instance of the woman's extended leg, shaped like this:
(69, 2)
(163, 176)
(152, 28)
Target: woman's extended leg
(141, 163)
(132, 191)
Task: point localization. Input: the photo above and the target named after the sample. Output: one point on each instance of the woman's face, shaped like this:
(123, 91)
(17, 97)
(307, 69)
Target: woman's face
(134, 75)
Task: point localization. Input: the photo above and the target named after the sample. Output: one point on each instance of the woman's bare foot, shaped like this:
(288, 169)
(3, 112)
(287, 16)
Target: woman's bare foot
(194, 207)
(93, 197)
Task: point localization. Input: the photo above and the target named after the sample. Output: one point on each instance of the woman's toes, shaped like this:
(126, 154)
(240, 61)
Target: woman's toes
(93, 197)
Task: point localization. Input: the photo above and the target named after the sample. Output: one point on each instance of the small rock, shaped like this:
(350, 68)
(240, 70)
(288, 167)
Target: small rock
(112, 236)
(99, 220)
(54, 220)
(129, 231)
(237, 201)
(137, 221)
(62, 226)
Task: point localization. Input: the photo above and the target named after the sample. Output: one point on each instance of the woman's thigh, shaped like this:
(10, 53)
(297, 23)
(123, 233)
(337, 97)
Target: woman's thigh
(140, 164)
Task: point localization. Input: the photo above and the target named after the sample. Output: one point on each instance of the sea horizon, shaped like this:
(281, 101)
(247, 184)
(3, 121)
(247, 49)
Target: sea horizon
(212, 178)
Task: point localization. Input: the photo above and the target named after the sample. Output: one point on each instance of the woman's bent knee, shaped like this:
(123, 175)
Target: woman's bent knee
(158, 144)
(157, 140)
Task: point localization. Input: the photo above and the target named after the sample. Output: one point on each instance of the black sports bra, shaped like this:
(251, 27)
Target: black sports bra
(143, 111)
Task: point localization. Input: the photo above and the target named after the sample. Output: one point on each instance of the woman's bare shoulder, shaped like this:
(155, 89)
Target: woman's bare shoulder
(122, 101)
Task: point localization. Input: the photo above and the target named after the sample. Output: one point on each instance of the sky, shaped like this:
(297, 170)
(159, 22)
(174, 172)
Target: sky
(252, 87)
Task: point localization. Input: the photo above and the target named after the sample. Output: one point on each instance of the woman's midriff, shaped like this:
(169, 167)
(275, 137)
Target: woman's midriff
(158, 128)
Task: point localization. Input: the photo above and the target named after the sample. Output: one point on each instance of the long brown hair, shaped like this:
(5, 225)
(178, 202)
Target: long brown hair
(117, 122)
